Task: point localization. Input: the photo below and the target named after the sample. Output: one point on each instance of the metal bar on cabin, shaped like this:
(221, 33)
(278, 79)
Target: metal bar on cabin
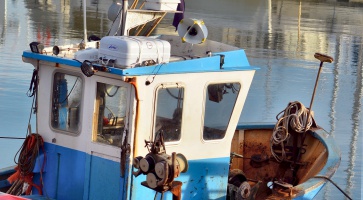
(153, 26)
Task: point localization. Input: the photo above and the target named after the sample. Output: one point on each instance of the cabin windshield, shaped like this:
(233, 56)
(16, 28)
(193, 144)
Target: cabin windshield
(220, 101)
(66, 102)
(110, 113)
(169, 109)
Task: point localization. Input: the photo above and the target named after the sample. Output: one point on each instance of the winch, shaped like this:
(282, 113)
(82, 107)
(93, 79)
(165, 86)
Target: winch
(160, 168)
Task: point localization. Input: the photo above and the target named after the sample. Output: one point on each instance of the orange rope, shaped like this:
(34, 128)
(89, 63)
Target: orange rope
(26, 162)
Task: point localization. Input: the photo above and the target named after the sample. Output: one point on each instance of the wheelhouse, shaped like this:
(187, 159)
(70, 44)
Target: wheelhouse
(94, 126)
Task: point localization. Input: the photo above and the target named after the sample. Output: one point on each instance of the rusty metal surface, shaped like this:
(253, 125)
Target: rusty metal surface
(176, 190)
(256, 143)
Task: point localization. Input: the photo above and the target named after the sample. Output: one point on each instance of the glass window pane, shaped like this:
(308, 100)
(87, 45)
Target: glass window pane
(220, 101)
(66, 102)
(169, 113)
(111, 104)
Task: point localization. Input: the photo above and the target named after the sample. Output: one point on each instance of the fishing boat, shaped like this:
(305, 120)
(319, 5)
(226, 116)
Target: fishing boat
(137, 117)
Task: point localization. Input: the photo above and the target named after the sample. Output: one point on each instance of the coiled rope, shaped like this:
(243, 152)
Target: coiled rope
(294, 118)
(22, 179)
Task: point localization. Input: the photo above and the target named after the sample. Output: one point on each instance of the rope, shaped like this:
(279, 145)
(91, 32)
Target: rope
(33, 84)
(23, 176)
(327, 178)
(294, 116)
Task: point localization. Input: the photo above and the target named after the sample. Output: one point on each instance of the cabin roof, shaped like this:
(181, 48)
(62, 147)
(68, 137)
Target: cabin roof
(233, 61)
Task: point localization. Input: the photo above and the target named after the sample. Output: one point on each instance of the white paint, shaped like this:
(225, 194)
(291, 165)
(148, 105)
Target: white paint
(191, 144)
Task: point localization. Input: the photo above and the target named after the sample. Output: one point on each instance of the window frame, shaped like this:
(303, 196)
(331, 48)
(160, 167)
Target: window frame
(205, 105)
(155, 102)
(114, 82)
(80, 124)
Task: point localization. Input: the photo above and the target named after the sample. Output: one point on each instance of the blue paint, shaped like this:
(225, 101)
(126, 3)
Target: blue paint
(312, 186)
(4, 183)
(234, 61)
(104, 179)
(310, 194)
(37, 197)
(5, 172)
(205, 179)
(63, 92)
(39, 163)
(72, 174)
(83, 176)
(49, 58)
(63, 118)
(65, 173)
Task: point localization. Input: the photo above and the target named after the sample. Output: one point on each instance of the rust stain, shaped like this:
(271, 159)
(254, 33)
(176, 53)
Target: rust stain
(132, 81)
(257, 143)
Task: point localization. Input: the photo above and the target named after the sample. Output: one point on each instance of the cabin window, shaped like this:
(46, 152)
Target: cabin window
(169, 107)
(220, 101)
(66, 102)
(110, 114)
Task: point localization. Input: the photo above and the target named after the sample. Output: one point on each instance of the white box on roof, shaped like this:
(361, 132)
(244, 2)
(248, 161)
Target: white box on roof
(167, 5)
(90, 54)
(131, 51)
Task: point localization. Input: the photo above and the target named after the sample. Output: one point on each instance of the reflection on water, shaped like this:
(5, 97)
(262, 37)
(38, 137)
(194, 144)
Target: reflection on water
(280, 37)
(63, 21)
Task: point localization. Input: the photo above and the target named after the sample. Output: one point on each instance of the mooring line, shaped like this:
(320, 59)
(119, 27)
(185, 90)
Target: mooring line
(15, 138)
(334, 185)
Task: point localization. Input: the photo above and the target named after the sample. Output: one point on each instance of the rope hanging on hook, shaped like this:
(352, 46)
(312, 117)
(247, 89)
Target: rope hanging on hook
(22, 179)
(292, 118)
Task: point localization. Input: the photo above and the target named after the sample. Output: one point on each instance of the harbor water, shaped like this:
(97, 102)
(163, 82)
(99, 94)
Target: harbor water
(280, 37)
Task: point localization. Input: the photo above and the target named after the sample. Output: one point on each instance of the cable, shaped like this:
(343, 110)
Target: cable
(147, 82)
(110, 95)
(327, 178)
(172, 95)
(70, 91)
(33, 107)
(15, 138)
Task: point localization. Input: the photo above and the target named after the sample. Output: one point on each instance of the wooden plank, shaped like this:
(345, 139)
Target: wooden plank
(237, 147)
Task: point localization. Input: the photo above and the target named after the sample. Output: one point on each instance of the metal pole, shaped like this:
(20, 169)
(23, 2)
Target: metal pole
(313, 96)
(125, 5)
(323, 58)
(85, 23)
